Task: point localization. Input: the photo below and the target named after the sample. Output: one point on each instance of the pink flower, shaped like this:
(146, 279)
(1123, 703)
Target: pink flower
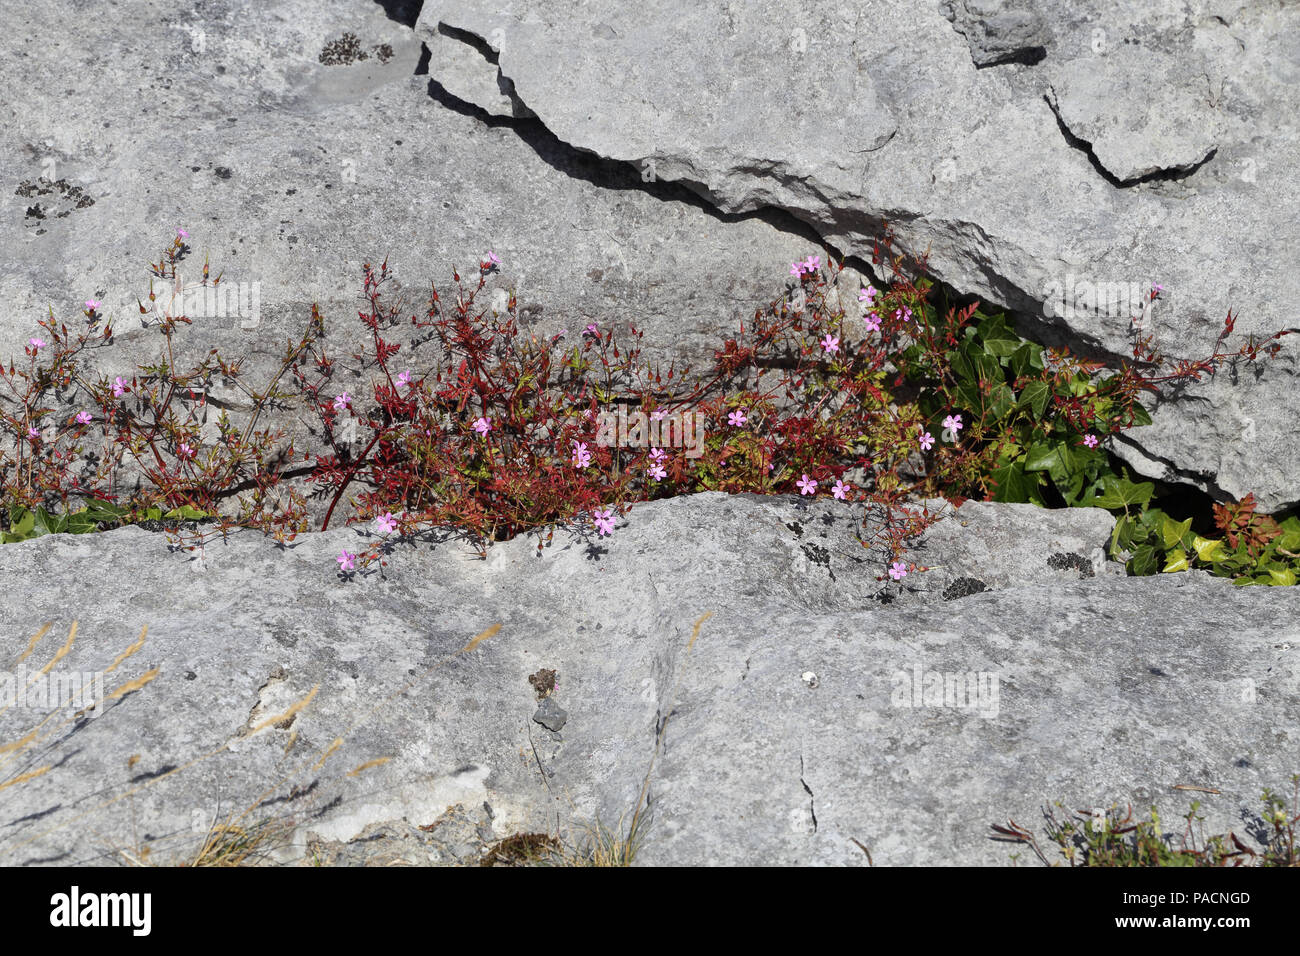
(36, 343)
(658, 415)
(867, 294)
(185, 451)
(342, 401)
(492, 258)
(591, 330)
(581, 457)
(387, 522)
(32, 432)
(604, 522)
(1155, 287)
(658, 455)
(873, 322)
(807, 486)
(831, 343)
(119, 387)
(796, 269)
(657, 472)
(812, 263)
(926, 441)
(346, 561)
(182, 234)
(953, 423)
(904, 313)
(482, 425)
(404, 379)
(737, 418)
(92, 304)
(1090, 441)
(898, 570)
(83, 418)
(840, 490)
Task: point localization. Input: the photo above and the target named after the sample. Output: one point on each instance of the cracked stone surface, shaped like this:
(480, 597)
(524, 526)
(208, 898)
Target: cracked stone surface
(1141, 112)
(1187, 110)
(1107, 689)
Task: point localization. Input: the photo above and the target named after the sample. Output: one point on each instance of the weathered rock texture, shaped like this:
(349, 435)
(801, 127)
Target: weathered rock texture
(1123, 145)
(1108, 689)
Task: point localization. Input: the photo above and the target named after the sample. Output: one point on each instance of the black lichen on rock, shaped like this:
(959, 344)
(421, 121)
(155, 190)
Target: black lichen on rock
(1061, 562)
(963, 587)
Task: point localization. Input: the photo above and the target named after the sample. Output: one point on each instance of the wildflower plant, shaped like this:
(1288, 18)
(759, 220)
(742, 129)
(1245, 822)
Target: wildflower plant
(453, 417)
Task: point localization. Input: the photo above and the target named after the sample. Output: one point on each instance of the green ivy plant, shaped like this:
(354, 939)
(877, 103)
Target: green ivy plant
(27, 523)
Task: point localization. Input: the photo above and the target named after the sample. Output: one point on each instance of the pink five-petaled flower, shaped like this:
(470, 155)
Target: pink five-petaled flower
(1156, 287)
(182, 234)
(604, 522)
(492, 258)
(796, 269)
(404, 379)
(807, 486)
(904, 313)
(812, 263)
(342, 401)
(867, 294)
(840, 490)
(93, 304)
(387, 522)
(873, 322)
(1090, 441)
(591, 330)
(831, 343)
(657, 471)
(36, 343)
(119, 387)
(346, 561)
(658, 415)
(185, 451)
(737, 418)
(953, 423)
(898, 570)
(32, 432)
(657, 455)
(581, 457)
(483, 425)
(83, 418)
(926, 440)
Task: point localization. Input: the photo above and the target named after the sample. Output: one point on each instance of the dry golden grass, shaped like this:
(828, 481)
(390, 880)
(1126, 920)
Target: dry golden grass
(234, 842)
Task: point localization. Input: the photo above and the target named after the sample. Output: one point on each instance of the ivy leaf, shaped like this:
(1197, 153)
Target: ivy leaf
(1122, 493)
(1172, 532)
(47, 523)
(1280, 576)
(1003, 400)
(1143, 561)
(1012, 484)
(1034, 396)
(1210, 552)
(1176, 561)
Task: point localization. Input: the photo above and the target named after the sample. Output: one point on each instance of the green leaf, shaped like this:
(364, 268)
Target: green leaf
(47, 523)
(1208, 551)
(1034, 396)
(187, 513)
(1171, 532)
(1012, 484)
(24, 526)
(1002, 348)
(1140, 415)
(1143, 561)
(1001, 401)
(1280, 576)
(1122, 493)
(1176, 561)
